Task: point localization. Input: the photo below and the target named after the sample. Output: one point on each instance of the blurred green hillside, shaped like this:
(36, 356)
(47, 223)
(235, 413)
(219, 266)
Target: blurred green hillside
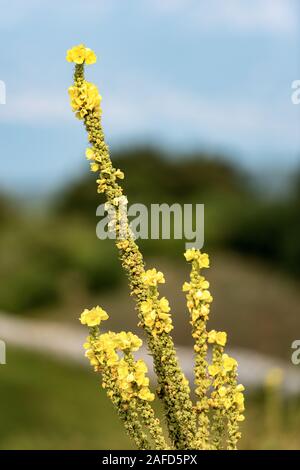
(45, 255)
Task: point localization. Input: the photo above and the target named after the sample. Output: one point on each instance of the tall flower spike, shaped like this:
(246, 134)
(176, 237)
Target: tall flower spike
(189, 426)
(198, 303)
(222, 407)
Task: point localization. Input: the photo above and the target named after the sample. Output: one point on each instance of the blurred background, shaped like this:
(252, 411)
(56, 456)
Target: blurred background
(196, 109)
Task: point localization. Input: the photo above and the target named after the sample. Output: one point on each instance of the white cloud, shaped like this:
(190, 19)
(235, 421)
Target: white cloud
(177, 117)
(172, 116)
(135, 112)
(34, 107)
(251, 16)
(16, 12)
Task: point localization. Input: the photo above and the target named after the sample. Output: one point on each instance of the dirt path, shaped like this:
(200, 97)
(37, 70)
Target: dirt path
(65, 343)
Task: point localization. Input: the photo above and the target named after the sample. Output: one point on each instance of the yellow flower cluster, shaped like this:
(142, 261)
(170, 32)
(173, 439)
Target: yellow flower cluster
(106, 345)
(226, 399)
(156, 315)
(217, 337)
(84, 98)
(126, 384)
(199, 299)
(228, 394)
(155, 311)
(81, 54)
(198, 296)
(93, 317)
(132, 381)
(201, 259)
(227, 365)
(124, 341)
(129, 376)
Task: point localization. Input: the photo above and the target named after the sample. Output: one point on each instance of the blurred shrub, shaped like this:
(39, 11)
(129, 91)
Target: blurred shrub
(154, 177)
(7, 209)
(270, 231)
(28, 288)
(37, 259)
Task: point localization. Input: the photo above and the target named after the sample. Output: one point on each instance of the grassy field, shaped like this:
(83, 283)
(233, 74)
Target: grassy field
(51, 405)
(47, 405)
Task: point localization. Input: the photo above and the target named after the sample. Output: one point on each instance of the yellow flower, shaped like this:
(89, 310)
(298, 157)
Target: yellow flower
(218, 337)
(211, 336)
(94, 167)
(84, 98)
(206, 296)
(119, 174)
(164, 316)
(90, 56)
(128, 340)
(195, 255)
(213, 370)
(195, 314)
(228, 362)
(186, 287)
(112, 357)
(222, 391)
(153, 277)
(123, 370)
(203, 260)
(80, 54)
(190, 254)
(92, 357)
(149, 319)
(76, 54)
(148, 312)
(135, 341)
(146, 306)
(239, 400)
(145, 394)
(204, 310)
(140, 371)
(221, 338)
(227, 403)
(106, 342)
(198, 294)
(89, 153)
(122, 341)
(164, 305)
(168, 328)
(93, 317)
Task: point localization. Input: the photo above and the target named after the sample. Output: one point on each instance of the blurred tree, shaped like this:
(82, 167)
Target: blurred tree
(153, 177)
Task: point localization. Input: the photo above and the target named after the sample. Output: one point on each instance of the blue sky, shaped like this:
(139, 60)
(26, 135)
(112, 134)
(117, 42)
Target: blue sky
(182, 74)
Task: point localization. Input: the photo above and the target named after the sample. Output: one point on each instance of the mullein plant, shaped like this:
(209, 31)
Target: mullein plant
(210, 421)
